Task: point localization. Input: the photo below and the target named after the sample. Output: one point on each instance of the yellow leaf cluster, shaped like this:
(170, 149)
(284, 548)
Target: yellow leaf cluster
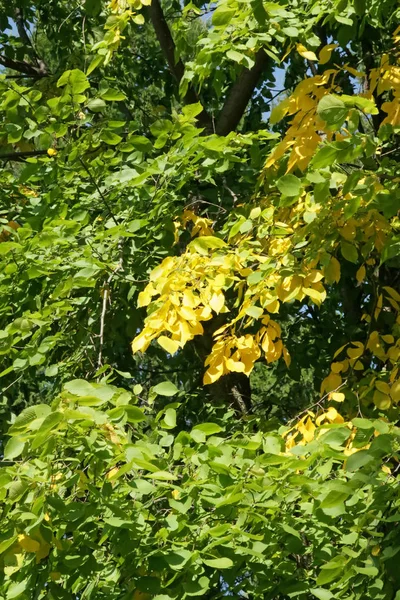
(387, 78)
(187, 290)
(357, 357)
(304, 133)
(307, 130)
(201, 225)
(40, 548)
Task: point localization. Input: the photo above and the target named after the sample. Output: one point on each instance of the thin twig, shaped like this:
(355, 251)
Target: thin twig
(106, 297)
(318, 403)
(11, 384)
(92, 179)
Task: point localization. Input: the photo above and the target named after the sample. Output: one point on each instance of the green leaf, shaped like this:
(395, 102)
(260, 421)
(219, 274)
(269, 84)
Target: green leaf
(141, 143)
(96, 104)
(97, 60)
(359, 459)
(322, 594)
(349, 252)
(178, 558)
(133, 413)
(197, 588)
(332, 110)
(16, 589)
(334, 499)
(76, 79)
(254, 311)
(170, 418)
(82, 388)
(208, 428)
(235, 56)
(109, 137)
(219, 563)
(14, 448)
(166, 388)
(325, 157)
(289, 185)
(205, 243)
(113, 95)
(49, 423)
(26, 417)
(222, 15)
(162, 476)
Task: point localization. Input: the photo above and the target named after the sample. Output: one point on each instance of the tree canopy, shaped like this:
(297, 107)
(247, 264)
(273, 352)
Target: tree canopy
(199, 299)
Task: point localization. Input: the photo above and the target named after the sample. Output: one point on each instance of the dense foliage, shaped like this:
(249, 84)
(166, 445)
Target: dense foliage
(199, 299)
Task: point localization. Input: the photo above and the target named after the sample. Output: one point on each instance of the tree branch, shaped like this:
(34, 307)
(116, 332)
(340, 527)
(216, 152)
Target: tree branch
(23, 34)
(22, 67)
(177, 69)
(20, 156)
(239, 95)
(19, 20)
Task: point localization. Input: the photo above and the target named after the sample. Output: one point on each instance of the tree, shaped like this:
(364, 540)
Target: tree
(200, 299)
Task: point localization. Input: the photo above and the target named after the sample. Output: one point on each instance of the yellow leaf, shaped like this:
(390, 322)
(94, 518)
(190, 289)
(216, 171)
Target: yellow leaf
(307, 429)
(395, 295)
(313, 277)
(337, 397)
(381, 401)
(339, 350)
(112, 472)
(235, 365)
(336, 367)
(331, 383)
(144, 298)
(28, 543)
(332, 270)
(213, 373)
(176, 494)
(395, 391)
(356, 352)
(187, 313)
(394, 353)
(42, 552)
(332, 415)
(272, 307)
(317, 297)
(141, 342)
(171, 346)
(325, 53)
(279, 111)
(382, 386)
(217, 302)
(348, 232)
(286, 357)
(307, 54)
(360, 275)
(353, 72)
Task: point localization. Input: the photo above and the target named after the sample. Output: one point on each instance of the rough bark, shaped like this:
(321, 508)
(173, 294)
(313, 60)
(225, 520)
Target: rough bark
(177, 68)
(240, 95)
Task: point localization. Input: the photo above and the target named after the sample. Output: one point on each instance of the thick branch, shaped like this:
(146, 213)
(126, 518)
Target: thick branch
(22, 67)
(165, 39)
(23, 34)
(239, 95)
(19, 20)
(177, 69)
(19, 156)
